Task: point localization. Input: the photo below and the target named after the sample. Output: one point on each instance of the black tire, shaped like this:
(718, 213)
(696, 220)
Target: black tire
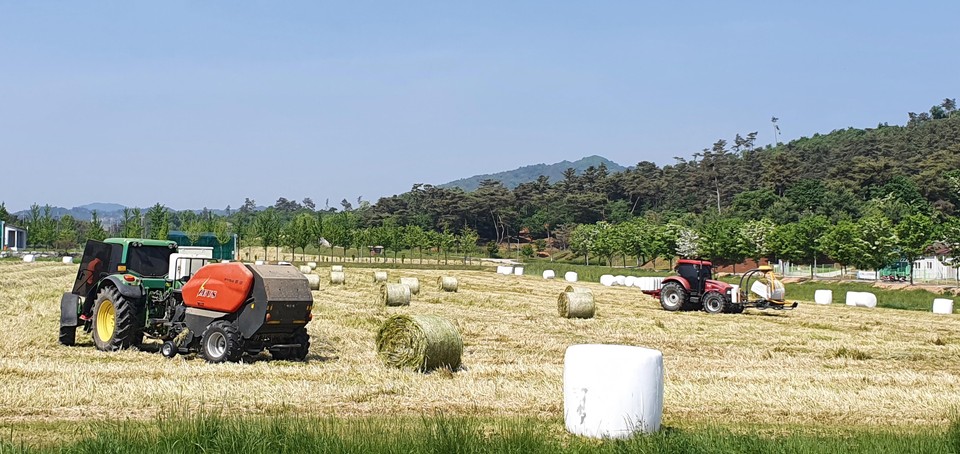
(114, 321)
(297, 353)
(68, 335)
(221, 342)
(713, 303)
(673, 297)
(734, 308)
(168, 349)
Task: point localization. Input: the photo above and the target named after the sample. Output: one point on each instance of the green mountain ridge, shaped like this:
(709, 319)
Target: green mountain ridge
(513, 178)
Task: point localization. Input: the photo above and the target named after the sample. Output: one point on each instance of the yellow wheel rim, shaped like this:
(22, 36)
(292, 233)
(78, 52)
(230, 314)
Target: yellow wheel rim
(106, 320)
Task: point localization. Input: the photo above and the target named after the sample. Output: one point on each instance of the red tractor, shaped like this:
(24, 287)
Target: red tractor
(694, 288)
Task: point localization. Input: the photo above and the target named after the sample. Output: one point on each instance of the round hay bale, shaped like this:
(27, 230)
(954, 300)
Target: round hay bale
(394, 295)
(379, 277)
(29, 258)
(621, 280)
(68, 259)
(576, 305)
(306, 269)
(413, 283)
(549, 274)
(573, 289)
(313, 280)
(608, 280)
(570, 276)
(942, 306)
(419, 342)
(502, 269)
(518, 271)
(312, 265)
(447, 283)
(337, 277)
(336, 268)
(631, 281)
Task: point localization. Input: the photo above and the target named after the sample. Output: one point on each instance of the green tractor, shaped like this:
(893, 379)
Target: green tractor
(121, 286)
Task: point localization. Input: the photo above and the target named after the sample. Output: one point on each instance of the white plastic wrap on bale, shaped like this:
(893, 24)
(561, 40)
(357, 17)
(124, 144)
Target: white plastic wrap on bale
(823, 296)
(313, 280)
(608, 280)
(570, 276)
(518, 270)
(630, 281)
(763, 290)
(304, 269)
(68, 259)
(861, 299)
(942, 306)
(312, 265)
(612, 391)
(29, 258)
(549, 274)
(621, 280)
(649, 283)
(505, 270)
(734, 292)
(259, 262)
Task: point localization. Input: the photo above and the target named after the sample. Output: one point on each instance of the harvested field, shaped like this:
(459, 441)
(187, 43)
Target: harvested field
(816, 367)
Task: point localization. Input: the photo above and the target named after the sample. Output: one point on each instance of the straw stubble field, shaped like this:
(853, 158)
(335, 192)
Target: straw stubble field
(817, 367)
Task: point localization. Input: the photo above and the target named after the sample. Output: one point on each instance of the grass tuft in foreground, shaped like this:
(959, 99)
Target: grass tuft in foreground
(440, 434)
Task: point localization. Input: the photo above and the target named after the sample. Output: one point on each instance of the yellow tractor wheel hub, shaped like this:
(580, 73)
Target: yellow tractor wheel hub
(106, 320)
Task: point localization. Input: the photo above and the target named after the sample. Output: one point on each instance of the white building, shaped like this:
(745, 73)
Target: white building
(14, 238)
(933, 268)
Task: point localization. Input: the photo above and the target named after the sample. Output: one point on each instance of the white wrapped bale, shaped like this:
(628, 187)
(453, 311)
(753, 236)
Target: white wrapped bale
(608, 280)
(621, 280)
(612, 391)
(861, 299)
(29, 258)
(942, 306)
(335, 268)
(549, 274)
(379, 277)
(68, 259)
(413, 283)
(631, 281)
(337, 277)
(306, 269)
(823, 296)
(505, 270)
(570, 276)
(312, 265)
(518, 271)
(313, 280)
(259, 262)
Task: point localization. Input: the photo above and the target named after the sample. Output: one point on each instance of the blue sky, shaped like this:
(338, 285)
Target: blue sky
(195, 104)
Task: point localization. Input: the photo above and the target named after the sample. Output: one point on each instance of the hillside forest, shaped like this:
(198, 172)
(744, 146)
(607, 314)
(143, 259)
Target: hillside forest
(857, 197)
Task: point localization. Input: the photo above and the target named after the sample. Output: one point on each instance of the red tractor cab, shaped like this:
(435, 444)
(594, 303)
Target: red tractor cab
(694, 288)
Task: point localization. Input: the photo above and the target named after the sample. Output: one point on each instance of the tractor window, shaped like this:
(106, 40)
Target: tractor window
(149, 261)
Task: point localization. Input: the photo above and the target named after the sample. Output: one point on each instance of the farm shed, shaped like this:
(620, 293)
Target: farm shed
(14, 238)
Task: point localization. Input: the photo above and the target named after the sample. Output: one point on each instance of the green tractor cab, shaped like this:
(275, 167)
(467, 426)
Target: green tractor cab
(120, 284)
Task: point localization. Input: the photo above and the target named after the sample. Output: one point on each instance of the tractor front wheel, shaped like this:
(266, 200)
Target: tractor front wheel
(673, 297)
(713, 303)
(114, 324)
(221, 342)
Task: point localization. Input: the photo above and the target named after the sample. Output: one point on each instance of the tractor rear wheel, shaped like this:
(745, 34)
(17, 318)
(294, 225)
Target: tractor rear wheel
(713, 303)
(296, 353)
(673, 297)
(114, 324)
(221, 342)
(68, 335)
(734, 308)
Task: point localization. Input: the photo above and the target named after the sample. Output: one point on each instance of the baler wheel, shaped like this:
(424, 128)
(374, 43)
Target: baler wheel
(113, 321)
(713, 303)
(673, 297)
(221, 342)
(294, 354)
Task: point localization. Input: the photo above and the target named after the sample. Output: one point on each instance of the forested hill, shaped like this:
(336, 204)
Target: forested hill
(527, 174)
